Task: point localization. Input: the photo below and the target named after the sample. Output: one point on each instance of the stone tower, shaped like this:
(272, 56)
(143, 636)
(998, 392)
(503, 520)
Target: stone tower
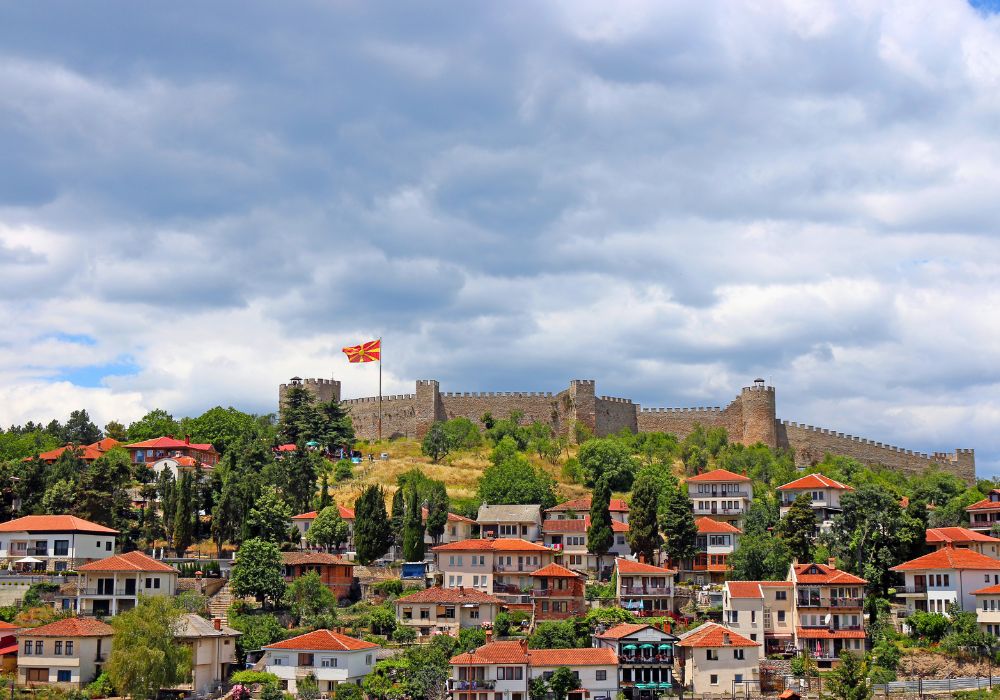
(759, 416)
(427, 406)
(584, 405)
(323, 389)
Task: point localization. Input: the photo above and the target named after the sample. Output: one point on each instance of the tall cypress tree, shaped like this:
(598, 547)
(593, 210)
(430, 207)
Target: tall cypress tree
(677, 523)
(413, 530)
(183, 517)
(643, 528)
(798, 528)
(322, 499)
(600, 536)
(372, 529)
(437, 510)
(398, 520)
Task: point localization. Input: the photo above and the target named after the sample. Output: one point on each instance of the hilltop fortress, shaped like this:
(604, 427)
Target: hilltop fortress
(749, 418)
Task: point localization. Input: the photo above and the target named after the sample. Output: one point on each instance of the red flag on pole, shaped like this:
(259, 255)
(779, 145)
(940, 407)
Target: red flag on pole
(366, 352)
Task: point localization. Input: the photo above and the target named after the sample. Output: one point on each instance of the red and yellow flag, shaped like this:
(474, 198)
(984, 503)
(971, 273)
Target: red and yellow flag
(366, 352)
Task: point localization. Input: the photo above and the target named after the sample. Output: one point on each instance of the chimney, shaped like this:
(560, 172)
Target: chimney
(832, 562)
(217, 623)
(187, 439)
(524, 645)
(489, 636)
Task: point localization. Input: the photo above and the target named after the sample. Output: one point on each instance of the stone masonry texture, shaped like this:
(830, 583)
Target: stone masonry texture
(749, 418)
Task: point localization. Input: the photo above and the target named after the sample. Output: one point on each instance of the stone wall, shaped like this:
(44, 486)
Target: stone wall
(749, 418)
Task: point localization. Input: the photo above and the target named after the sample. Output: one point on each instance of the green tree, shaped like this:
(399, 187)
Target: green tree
(257, 572)
(437, 510)
(561, 682)
(308, 597)
(307, 688)
(397, 519)
(258, 630)
(116, 431)
(224, 427)
(607, 458)
(299, 488)
(144, 656)
(79, 430)
(512, 480)
(60, 497)
(332, 426)
(184, 515)
(471, 638)
(413, 529)
(328, 529)
(269, 517)
(322, 499)
(559, 634)
(372, 529)
(297, 414)
(760, 557)
(156, 423)
(502, 624)
(761, 516)
(677, 522)
(644, 529)
(600, 536)
(435, 443)
(798, 528)
(404, 634)
(849, 680)
(462, 433)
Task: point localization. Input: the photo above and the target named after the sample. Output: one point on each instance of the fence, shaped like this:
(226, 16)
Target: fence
(921, 686)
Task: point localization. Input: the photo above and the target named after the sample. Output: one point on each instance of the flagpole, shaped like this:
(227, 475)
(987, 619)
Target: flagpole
(380, 390)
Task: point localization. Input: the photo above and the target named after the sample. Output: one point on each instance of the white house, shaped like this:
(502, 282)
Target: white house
(824, 497)
(446, 610)
(963, 538)
(53, 542)
(516, 522)
(984, 514)
(936, 580)
(500, 566)
(715, 543)
(828, 611)
(505, 670)
(213, 651)
(331, 658)
(721, 495)
(113, 585)
(717, 660)
(645, 656)
(69, 653)
(579, 508)
(570, 538)
(762, 611)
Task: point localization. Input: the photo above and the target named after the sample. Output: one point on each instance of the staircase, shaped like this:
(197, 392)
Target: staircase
(218, 604)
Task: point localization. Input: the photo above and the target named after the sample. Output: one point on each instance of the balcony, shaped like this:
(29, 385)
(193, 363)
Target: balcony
(661, 659)
(918, 589)
(718, 511)
(481, 684)
(730, 495)
(823, 602)
(106, 592)
(834, 628)
(646, 590)
(515, 568)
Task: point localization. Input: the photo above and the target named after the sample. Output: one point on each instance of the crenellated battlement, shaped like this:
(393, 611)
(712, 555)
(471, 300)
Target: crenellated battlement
(698, 409)
(615, 399)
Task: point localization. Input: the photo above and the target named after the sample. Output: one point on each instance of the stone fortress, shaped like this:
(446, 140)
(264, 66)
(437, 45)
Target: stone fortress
(749, 418)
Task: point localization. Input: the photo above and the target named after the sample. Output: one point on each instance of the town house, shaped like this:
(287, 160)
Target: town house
(457, 529)
(721, 495)
(644, 589)
(53, 542)
(579, 508)
(983, 514)
(762, 610)
(152, 451)
(329, 657)
(715, 543)
(213, 652)
(336, 573)
(963, 538)
(645, 658)
(440, 610)
(824, 497)
(988, 609)
(716, 660)
(514, 522)
(828, 611)
(69, 653)
(570, 538)
(501, 566)
(558, 593)
(87, 453)
(114, 584)
(948, 576)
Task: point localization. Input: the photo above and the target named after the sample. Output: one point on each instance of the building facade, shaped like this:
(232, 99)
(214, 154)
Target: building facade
(440, 610)
(510, 522)
(53, 542)
(828, 612)
(502, 566)
(716, 660)
(762, 611)
(69, 653)
(721, 495)
(336, 573)
(331, 658)
(213, 651)
(824, 497)
(114, 584)
(558, 593)
(645, 659)
(644, 589)
(946, 577)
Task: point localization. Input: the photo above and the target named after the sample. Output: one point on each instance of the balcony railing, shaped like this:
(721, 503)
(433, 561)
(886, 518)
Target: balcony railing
(455, 684)
(508, 588)
(646, 590)
(824, 602)
(919, 588)
(515, 567)
(647, 660)
(106, 591)
(718, 511)
(834, 628)
(720, 494)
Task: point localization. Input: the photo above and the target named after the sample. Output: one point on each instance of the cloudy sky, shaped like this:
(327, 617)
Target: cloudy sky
(670, 198)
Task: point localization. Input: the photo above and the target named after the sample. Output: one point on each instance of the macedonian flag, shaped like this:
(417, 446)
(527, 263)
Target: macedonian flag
(366, 352)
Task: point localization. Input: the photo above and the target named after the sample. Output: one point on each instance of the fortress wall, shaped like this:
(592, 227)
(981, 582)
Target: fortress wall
(612, 415)
(811, 444)
(398, 416)
(536, 405)
(681, 421)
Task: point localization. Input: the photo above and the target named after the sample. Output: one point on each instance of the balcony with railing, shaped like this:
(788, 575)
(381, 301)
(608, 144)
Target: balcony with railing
(507, 588)
(106, 591)
(713, 510)
(916, 589)
(732, 495)
(651, 660)
(475, 684)
(646, 590)
(827, 602)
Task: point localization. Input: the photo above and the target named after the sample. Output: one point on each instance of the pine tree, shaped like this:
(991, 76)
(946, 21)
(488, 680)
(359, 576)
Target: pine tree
(322, 499)
(600, 536)
(849, 681)
(413, 530)
(398, 519)
(167, 489)
(372, 529)
(643, 527)
(183, 518)
(297, 414)
(798, 528)
(300, 479)
(437, 510)
(677, 524)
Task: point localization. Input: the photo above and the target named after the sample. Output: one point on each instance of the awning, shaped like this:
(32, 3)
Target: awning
(666, 646)
(665, 686)
(28, 560)
(646, 646)
(630, 647)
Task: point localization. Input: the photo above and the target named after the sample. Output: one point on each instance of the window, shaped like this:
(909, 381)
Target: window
(425, 613)
(474, 614)
(37, 675)
(711, 655)
(27, 648)
(153, 582)
(328, 663)
(781, 616)
(602, 675)
(107, 546)
(368, 659)
(64, 676)
(738, 654)
(753, 636)
(738, 677)
(69, 648)
(714, 679)
(39, 648)
(781, 595)
(278, 661)
(58, 650)
(60, 548)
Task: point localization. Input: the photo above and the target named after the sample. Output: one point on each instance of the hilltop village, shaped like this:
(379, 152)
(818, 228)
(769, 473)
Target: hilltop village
(491, 547)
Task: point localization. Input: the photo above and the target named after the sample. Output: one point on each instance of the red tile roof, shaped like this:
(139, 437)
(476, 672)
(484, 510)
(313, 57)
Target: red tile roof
(713, 635)
(627, 566)
(986, 503)
(54, 523)
(130, 561)
(71, 627)
(718, 475)
(323, 640)
(494, 653)
(497, 545)
(824, 574)
(989, 590)
(825, 633)
(169, 443)
(579, 505)
(625, 629)
(578, 525)
(518, 653)
(7, 626)
(298, 558)
(707, 525)
(452, 517)
(345, 513)
(815, 481)
(949, 558)
(437, 594)
(956, 534)
(555, 571)
(88, 453)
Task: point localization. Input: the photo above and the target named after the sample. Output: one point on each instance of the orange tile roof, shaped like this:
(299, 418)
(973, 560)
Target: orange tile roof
(625, 629)
(986, 503)
(297, 558)
(713, 635)
(578, 505)
(573, 657)
(497, 545)
(989, 590)
(345, 513)
(130, 561)
(752, 589)
(494, 653)
(437, 594)
(452, 517)
(956, 534)
(169, 443)
(707, 525)
(323, 640)
(578, 525)
(71, 627)
(555, 571)
(824, 574)
(54, 523)
(719, 475)
(949, 558)
(627, 566)
(825, 633)
(815, 481)
(88, 453)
